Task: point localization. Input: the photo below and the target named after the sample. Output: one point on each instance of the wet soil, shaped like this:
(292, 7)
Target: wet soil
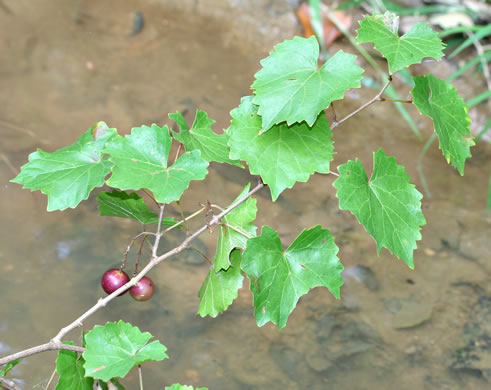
(67, 65)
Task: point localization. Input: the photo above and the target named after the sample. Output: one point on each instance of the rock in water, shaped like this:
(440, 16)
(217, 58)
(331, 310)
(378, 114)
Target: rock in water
(476, 354)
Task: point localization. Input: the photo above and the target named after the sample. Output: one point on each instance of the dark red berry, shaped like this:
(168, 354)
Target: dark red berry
(114, 279)
(143, 290)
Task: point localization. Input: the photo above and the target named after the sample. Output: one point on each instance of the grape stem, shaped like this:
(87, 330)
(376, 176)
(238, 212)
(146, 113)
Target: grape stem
(8, 384)
(376, 98)
(56, 344)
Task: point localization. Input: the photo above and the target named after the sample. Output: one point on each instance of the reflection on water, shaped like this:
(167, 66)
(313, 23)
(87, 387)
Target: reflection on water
(393, 328)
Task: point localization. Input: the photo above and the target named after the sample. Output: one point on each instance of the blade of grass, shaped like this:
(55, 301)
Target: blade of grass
(419, 166)
(486, 56)
(402, 11)
(483, 131)
(316, 21)
(479, 98)
(488, 206)
(483, 32)
(458, 30)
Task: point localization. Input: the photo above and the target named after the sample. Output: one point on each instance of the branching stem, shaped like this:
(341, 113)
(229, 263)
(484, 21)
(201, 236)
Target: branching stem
(55, 343)
(377, 97)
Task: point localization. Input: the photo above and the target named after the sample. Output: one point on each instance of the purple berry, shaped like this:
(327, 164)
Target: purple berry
(114, 279)
(143, 290)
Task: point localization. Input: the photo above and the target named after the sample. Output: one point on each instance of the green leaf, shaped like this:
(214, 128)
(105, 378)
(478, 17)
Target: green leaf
(68, 175)
(219, 289)
(177, 386)
(439, 100)
(280, 277)
(418, 43)
(9, 366)
(140, 161)
(213, 146)
(283, 155)
(240, 218)
(387, 205)
(291, 87)
(115, 348)
(124, 205)
(71, 371)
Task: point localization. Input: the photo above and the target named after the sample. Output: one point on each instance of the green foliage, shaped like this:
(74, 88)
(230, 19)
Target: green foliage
(124, 205)
(221, 287)
(419, 42)
(178, 386)
(200, 137)
(71, 371)
(68, 175)
(291, 87)
(9, 366)
(282, 134)
(279, 278)
(240, 219)
(115, 348)
(140, 161)
(439, 100)
(283, 155)
(387, 205)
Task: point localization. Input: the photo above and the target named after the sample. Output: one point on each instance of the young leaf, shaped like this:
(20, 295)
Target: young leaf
(418, 43)
(439, 100)
(283, 155)
(9, 366)
(115, 348)
(71, 371)
(177, 386)
(221, 288)
(124, 205)
(240, 218)
(213, 146)
(279, 278)
(387, 205)
(68, 175)
(140, 161)
(291, 87)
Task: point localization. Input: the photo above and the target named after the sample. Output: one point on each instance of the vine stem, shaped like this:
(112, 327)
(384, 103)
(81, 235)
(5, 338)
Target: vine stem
(235, 229)
(158, 235)
(8, 384)
(55, 343)
(376, 98)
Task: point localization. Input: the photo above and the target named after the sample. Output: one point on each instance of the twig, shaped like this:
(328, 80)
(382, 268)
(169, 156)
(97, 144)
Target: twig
(138, 257)
(485, 68)
(177, 153)
(50, 379)
(150, 195)
(236, 230)
(140, 376)
(409, 101)
(182, 216)
(8, 384)
(184, 220)
(53, 345)
(371, 101)
(158, 235)
(202, 254)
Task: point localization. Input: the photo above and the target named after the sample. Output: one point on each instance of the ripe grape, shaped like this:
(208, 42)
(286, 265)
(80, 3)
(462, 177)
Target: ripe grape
(143, 290)
(114, 279)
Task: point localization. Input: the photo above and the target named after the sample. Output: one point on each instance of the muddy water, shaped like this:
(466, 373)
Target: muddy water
(67, 65)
